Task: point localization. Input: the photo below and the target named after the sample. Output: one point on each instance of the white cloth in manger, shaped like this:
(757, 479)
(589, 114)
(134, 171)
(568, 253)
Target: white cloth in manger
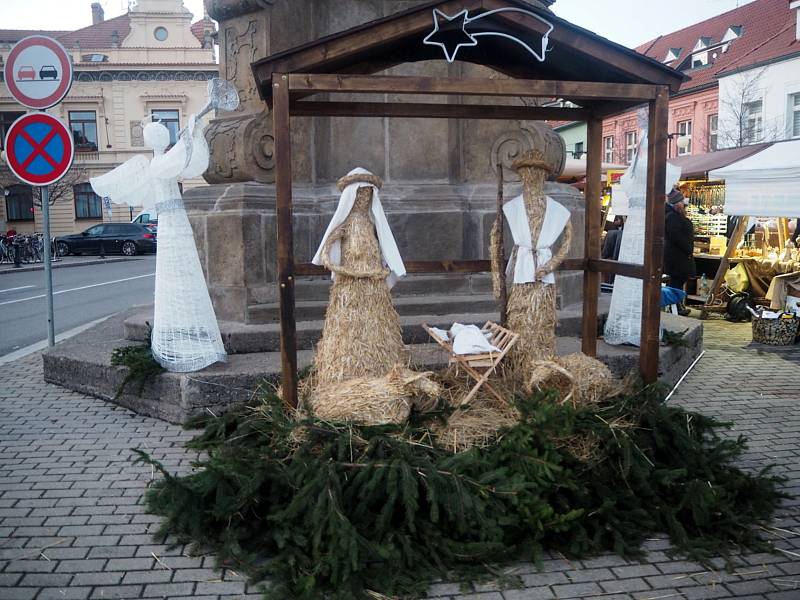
(523, 269)
(469, 339)
(389, 252)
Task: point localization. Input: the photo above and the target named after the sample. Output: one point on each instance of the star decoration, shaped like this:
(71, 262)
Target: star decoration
(450, 33)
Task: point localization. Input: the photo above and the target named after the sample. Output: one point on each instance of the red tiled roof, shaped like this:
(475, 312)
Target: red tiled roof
(15, 35)
(199, 27)
(98, 35)
(768, 32)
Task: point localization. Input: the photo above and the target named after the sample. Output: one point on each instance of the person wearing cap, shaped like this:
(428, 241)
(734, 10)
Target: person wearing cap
(678, 242)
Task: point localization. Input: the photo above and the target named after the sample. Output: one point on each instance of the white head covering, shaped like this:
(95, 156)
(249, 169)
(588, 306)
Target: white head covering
(389, 252)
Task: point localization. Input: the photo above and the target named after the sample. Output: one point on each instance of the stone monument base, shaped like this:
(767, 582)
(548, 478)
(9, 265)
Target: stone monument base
(83, 363)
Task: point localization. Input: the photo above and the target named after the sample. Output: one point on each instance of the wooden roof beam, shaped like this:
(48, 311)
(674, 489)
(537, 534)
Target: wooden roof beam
(442, 111)
(571, 90)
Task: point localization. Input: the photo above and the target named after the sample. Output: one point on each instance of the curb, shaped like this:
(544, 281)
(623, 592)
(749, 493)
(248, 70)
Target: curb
(60, 265)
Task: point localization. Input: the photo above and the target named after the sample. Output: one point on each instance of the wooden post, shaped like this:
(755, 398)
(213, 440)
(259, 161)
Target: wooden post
(736, 237)
(501, 244)
(654, 235)
(283, 204)
(592, 193)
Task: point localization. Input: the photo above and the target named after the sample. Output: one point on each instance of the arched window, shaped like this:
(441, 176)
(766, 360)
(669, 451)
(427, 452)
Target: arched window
(19, 203)
(88, 205)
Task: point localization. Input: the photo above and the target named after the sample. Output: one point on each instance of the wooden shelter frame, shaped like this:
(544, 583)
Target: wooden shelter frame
(284, 84)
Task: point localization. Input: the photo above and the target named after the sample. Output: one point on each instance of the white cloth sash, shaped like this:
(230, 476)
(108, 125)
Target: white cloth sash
(389, 252)
(523, 269)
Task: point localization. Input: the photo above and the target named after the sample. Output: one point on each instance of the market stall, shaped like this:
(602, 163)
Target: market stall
(765, 184)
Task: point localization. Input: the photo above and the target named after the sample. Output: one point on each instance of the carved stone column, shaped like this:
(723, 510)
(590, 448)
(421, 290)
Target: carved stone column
(241, 142)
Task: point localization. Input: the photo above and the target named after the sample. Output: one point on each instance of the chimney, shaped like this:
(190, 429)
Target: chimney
(97, 13)
(795, 6)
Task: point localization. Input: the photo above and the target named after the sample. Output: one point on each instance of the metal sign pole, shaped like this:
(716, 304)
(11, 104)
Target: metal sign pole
(48, 266)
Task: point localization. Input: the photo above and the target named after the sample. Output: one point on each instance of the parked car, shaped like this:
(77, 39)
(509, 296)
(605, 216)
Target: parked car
(48, 72)
(126, 238)
(26, 73)
(146, 217)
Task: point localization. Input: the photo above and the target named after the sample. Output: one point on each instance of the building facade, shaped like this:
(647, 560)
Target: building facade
(717, 55)
(150, 63)
(760, 96)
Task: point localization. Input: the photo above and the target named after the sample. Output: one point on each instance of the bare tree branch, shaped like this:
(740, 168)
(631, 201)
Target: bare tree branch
(63, 187)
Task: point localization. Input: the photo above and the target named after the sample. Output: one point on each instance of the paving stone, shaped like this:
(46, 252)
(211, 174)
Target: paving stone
(66, 468)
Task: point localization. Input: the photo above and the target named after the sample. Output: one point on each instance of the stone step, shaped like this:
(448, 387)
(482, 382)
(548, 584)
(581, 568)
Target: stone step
(413, 284)
(242, 338)
(82, 363)
(310, 310)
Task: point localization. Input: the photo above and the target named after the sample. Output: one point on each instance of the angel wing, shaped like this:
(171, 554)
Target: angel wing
(197, 160)
(187, 158)
(130, 183)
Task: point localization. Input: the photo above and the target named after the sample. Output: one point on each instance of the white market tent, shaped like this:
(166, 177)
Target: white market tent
(766, 184)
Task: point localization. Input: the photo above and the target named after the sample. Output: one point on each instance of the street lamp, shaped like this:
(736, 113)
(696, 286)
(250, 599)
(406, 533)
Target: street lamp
(683, 142)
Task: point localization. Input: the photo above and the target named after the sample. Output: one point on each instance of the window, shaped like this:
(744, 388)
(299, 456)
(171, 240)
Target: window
(94, 58)
(169, 119)
(578, 152)
(6, 119)
(631, 138)
(161, 34)
(84, 130)
(19, 203)
(752, 121)
(795, 120)
(608, 149)
(685, 131)
(713, 125)
(88, 205)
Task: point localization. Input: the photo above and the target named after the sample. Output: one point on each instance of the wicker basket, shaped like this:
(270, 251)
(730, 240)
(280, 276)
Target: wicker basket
(775, 332)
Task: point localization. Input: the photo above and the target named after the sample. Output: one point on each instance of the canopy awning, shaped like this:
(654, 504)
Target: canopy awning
(766, 184)
(697, 166)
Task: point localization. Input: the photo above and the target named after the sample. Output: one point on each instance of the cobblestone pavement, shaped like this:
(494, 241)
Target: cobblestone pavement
(72, 524)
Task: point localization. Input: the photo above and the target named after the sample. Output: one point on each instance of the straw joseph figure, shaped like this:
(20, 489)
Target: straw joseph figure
(542, 233)
(361, 337)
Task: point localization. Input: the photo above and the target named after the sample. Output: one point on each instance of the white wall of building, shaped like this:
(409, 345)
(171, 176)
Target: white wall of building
(773, 84)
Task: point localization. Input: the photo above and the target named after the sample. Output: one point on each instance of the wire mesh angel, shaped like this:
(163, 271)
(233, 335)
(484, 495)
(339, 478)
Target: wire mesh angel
(185, 335)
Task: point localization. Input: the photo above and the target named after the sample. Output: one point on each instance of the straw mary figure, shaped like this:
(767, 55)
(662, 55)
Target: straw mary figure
(362, 335)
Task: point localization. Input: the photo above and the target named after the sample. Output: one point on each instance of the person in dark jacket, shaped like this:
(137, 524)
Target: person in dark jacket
(678, 241)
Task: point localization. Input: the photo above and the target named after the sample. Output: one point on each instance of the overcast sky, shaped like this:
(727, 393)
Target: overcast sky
(628, 22)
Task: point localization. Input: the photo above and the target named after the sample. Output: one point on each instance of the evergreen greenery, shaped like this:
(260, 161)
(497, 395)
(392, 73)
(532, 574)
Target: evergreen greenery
(339, 511)
(141, 366)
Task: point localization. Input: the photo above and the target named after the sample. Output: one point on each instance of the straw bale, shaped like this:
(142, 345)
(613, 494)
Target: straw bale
(578, 378)
(477, 424)
(373, 400)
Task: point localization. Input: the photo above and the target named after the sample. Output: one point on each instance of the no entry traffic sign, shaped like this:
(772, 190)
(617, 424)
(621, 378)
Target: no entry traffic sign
(38, 72)
(39, 149)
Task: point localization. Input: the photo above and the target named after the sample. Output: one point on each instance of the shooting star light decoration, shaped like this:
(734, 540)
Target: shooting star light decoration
(451, 33)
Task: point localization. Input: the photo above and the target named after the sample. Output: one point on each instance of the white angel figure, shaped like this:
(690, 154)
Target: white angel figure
(185, 334)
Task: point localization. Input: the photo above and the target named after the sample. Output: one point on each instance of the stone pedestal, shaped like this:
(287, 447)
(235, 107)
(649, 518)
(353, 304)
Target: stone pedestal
(234, 227)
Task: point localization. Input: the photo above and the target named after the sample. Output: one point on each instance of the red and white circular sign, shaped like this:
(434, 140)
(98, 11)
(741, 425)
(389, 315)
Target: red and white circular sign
(39, 149)
(38, 72)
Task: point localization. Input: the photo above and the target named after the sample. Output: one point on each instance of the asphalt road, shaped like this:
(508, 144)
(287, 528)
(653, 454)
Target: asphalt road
(81, 295)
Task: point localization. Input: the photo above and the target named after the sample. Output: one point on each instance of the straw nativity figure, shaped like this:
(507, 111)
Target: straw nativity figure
(542, 233)
(362, 348)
